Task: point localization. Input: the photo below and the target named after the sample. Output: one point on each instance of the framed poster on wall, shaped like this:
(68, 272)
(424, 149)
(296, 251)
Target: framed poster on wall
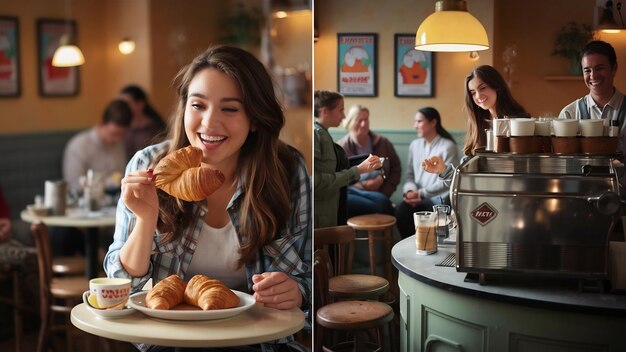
(357, 63)
(414, 70)
(9, 57)
(55, 81)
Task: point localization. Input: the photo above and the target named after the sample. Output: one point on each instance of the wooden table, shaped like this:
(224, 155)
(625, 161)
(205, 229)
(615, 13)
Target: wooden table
(90, 222)
(256, 325)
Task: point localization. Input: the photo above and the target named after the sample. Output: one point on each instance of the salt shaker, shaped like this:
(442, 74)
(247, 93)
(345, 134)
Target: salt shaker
(87, 192)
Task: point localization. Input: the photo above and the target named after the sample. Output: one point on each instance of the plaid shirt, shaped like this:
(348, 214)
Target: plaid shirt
(289, 252)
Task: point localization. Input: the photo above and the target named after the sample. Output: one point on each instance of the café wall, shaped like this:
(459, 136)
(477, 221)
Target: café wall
(168, 34)
(530, 25)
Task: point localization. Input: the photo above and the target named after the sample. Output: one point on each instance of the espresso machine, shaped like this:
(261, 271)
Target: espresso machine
(543, 214)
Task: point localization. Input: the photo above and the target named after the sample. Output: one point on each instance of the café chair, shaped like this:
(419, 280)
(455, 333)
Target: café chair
(10, 274)
(356, 317)
(57, 294)
(71, 265)
(338, 241)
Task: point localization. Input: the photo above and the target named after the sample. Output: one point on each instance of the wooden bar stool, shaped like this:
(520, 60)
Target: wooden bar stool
(356, 317)
(372, 223)
(339, 240)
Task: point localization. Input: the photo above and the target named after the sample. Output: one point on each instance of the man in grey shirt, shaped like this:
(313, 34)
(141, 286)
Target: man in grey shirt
(100, 148)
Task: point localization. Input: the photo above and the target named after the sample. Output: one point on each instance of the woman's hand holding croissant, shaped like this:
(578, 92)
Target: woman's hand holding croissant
(276, 290)
(140, 196)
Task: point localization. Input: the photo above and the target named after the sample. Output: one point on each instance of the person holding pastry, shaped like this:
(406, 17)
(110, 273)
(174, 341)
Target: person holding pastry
(222, 196)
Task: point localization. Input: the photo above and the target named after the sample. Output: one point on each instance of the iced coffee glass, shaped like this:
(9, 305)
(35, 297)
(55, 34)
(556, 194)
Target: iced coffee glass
(425, 232)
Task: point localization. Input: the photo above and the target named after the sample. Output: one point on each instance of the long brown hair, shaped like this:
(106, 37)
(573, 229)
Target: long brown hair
(265, 163)
(478, 117)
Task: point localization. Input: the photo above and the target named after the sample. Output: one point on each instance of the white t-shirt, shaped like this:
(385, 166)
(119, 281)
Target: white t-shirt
(216, 256)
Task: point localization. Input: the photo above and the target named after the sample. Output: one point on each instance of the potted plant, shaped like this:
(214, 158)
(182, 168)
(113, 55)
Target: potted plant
(569, 41)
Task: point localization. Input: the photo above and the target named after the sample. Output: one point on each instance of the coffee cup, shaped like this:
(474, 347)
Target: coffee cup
(565, 127)
(501, 127)
(543, 128)
(110, 293)
(591, 128)
(522, 127)
(425, 232)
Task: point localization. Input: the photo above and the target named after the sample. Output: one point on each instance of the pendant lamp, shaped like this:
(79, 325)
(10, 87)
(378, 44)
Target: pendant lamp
(607, 23)
(126, 46)
(451, 29)
(67, 55)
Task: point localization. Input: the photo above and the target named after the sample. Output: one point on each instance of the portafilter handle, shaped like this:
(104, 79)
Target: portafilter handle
(607, 203)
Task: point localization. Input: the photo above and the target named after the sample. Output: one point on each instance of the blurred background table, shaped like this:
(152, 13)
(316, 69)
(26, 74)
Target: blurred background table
(256, 325)
(90, 221)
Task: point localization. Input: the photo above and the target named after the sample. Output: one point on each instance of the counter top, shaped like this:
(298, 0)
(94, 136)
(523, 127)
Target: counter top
(536, 291)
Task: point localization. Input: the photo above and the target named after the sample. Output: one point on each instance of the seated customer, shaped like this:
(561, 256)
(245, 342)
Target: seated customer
(371, 194)
(100, 149)
(421, 189)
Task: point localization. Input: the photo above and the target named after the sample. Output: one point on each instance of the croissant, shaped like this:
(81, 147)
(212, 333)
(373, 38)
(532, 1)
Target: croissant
(181, 175)
(209, 294)
(166, 294)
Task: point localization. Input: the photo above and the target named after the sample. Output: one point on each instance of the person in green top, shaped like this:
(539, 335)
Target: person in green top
(331, 174)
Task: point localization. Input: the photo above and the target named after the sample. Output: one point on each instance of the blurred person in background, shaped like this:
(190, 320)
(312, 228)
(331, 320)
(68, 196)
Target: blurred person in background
(99, 149)
(422, 189)
(371, 194)
(147, 126)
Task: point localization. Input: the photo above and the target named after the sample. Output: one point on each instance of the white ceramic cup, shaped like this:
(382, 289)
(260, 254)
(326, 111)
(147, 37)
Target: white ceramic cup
(522, 127)
(501, 127)
(591, 128)
(542, 128)
(109, 291)
(565, 127)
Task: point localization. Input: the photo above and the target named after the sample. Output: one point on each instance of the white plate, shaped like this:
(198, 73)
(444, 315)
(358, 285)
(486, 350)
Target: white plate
(138, 301)
(107, 313)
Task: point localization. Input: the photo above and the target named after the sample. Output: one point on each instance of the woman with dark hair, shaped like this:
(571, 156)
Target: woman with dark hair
(147, 126)
(487, 97)
(332, 171)
(422, 190)
(254, 232)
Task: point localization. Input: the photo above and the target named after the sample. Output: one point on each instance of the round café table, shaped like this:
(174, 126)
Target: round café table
(89, 221)
(256, 325)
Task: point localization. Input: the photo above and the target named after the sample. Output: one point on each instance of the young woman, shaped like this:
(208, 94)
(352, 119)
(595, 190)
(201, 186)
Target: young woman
(371, 194)
(147, 126)
(487, 97)
(422, 190)
(254, 232)
(331, 174)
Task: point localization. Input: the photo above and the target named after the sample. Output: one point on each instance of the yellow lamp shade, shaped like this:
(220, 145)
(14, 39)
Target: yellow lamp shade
(451, 31)
(68, 56)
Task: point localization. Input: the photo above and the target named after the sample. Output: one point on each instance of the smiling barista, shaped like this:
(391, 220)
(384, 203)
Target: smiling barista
(604, 101)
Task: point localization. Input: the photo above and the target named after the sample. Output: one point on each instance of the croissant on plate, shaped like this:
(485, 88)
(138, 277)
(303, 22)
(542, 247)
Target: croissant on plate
(181, 175)
(166, 294)
(209, 294)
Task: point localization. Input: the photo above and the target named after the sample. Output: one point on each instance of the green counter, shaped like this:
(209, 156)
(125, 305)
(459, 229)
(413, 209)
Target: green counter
(440, 311)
